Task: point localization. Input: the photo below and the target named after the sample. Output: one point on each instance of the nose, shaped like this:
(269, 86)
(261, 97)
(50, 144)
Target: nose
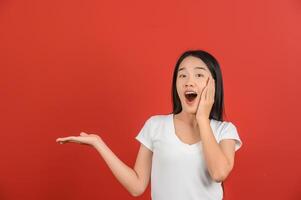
(189, 82)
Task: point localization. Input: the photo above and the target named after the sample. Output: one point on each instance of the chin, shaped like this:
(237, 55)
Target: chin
(190, 110)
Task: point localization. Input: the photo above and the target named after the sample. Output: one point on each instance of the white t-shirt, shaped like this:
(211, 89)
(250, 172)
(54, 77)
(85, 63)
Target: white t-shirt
(179, 171)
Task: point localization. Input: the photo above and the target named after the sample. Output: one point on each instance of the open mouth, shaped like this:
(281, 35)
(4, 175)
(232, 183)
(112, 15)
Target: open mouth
(190, 96)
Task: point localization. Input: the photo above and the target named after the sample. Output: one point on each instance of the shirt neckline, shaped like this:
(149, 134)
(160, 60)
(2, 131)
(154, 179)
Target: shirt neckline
(190, 146)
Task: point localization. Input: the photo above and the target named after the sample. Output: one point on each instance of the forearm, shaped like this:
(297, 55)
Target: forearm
(216, 160)
(124, 174)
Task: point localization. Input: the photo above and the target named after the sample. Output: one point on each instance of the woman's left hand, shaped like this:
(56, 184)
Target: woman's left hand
(206, 101)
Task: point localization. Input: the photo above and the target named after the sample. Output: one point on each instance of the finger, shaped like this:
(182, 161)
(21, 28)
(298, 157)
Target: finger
(59, 141)
(68, 139)
(64, 139)
(203, 96)
(211, 88)
(207, 88)
(83, 134)
(206, 93)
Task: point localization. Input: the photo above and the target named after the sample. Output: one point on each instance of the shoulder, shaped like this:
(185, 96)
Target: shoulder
(158, 121)
(158, 118)
(156, 124)
(222, 125)
(227, 130)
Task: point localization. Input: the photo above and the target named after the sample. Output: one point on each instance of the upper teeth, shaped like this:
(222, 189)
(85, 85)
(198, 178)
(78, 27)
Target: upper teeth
(190, 92)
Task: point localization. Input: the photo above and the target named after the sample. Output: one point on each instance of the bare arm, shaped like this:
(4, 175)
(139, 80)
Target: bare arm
(134, 180)
(219, 157)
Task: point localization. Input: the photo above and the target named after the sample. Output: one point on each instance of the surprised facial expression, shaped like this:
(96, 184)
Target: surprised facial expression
(192, 77)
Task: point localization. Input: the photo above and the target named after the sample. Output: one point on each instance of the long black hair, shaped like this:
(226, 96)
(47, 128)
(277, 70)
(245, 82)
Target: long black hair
(218, 109)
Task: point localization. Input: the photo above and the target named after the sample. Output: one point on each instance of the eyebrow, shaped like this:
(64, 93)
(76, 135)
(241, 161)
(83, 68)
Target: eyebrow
(182, 68)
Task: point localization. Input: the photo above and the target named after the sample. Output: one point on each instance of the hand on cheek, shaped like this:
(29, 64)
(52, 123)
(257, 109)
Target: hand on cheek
(206, 99)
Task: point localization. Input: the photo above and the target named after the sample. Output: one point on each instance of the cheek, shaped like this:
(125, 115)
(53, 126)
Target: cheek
(204, 81)
(178, 90)
(202, 84)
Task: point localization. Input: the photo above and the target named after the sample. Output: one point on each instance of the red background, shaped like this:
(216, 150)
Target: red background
(105, 66)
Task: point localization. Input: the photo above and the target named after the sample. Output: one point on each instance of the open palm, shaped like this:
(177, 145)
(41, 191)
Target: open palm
(84, 138)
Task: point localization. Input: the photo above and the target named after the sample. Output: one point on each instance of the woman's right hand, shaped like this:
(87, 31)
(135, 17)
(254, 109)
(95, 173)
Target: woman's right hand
(84, 138)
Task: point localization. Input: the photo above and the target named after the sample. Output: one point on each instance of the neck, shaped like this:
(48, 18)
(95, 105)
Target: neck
(188, 118)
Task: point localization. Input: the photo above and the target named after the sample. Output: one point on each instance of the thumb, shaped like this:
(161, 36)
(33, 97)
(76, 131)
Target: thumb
(83, 134)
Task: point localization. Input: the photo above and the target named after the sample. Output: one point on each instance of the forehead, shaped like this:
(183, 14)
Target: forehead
(193, 63)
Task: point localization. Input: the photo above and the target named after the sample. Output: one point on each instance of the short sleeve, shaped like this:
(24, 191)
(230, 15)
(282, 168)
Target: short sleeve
(229, 131)
(145, 134)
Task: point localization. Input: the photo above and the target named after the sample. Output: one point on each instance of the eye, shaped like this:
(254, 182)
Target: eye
(181, 75)
(200, 75)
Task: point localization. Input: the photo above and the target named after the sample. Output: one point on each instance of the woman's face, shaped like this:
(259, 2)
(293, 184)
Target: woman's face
(193, 74)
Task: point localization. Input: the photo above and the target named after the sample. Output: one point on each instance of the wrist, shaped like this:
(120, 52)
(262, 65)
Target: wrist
(203, 120)
(98, 144)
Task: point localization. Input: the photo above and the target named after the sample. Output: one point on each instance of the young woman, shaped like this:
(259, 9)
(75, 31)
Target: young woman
(188, 153)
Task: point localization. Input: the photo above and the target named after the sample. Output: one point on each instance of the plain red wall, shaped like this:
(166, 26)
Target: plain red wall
(105, 66)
